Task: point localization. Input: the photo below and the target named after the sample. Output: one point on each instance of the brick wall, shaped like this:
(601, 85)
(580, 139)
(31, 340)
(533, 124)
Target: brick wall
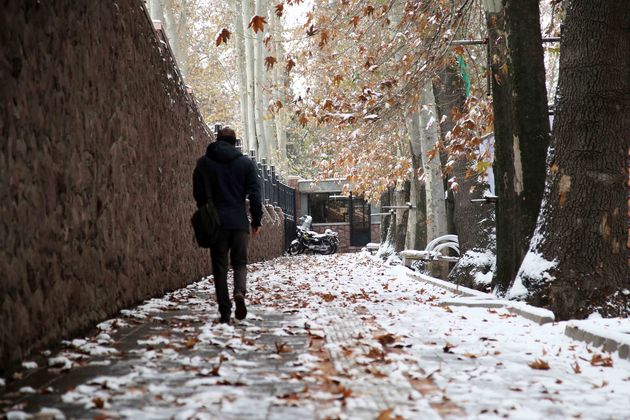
(343, 230)
(375, 233)
(99, 140)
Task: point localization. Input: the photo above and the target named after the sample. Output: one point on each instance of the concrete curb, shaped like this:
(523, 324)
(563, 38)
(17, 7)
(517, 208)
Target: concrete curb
(608, 343)
(485, 300)
(471, 298)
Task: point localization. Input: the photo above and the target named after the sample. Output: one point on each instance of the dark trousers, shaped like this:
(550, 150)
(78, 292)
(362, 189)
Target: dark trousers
(234, 243)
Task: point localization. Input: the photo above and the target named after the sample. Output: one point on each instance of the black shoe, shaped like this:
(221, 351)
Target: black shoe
(241, 309)
(225, 319)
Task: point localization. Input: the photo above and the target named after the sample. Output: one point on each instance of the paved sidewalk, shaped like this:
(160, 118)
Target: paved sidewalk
(170, 359)
(327, 337)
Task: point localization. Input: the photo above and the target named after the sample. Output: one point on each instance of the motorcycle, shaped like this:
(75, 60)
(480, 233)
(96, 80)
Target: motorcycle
(322, 243)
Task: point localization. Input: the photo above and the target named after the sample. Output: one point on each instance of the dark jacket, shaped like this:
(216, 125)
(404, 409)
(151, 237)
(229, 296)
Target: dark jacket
(233, 177)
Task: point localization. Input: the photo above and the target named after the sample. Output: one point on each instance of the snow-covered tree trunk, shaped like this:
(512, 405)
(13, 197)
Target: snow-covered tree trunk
(434, 185)
(417, 221)
(259, 80)
(577, 261)
(241, 68)
(474, 222)
(248, 39)
(520, 156)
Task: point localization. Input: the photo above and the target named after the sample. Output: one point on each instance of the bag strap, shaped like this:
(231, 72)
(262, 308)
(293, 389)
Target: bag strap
(206, 184)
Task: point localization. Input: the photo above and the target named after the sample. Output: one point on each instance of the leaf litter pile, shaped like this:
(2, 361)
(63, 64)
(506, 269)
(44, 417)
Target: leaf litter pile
(339, 336)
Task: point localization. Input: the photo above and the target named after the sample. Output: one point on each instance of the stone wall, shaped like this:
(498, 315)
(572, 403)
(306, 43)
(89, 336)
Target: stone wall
(269, 243)
(99, 140)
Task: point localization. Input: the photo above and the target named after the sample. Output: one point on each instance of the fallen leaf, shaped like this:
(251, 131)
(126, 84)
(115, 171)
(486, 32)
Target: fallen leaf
(447, 348)
(283, 347)
(599, 360)
(576, 368)
(215, 368)
(191, 342)
(328, 297)
(386, 339)
(98, 402)
(539, 364)
(388, 414)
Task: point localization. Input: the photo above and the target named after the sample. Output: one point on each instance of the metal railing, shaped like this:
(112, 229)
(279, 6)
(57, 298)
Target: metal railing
(273, 190)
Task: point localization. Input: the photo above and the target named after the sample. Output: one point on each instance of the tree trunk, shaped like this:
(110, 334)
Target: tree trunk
(176, 27)
(242, 72)
(252, 141)
(385, 201)
(259, 80)
(157, 10)
(520, 195)
(279, 81)
(434, 186)
(577, 260)
(402, 215)
(474, 221)
(417, 222)
(507, 254)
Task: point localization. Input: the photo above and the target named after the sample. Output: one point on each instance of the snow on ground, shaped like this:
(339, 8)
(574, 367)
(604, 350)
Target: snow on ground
(475, 362)
(484, 359)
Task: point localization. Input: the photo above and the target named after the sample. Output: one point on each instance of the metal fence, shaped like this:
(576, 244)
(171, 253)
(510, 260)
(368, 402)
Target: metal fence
(278, 194)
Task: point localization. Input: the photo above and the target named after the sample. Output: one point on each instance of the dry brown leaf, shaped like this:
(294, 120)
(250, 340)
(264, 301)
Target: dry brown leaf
(257, 23)
(98, 402)
(328, 297)
(447, 347)
(576, 368)
(283, 347)
(345, 392)
(223, 36)
(323, 38)
(269, 62)
(191, 342)
(279, 9)
(539, 364)
(599, 360)
(388, 415)
(385, 339)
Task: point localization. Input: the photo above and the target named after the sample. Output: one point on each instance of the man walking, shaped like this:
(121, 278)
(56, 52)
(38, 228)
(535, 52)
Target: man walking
(233, 178)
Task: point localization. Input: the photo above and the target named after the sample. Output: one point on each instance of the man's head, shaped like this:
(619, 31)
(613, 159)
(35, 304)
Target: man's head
(228, 135)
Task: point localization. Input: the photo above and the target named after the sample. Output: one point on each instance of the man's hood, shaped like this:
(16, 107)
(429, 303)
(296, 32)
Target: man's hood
(222, 151)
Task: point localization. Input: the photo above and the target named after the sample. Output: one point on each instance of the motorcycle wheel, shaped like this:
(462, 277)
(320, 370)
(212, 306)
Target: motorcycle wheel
(295, 248)
(330, 249)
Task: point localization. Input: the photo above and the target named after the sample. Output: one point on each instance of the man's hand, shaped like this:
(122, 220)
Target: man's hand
(255, 231)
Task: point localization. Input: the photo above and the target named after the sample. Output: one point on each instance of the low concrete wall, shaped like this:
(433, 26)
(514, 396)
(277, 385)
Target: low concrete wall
(99, 140)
